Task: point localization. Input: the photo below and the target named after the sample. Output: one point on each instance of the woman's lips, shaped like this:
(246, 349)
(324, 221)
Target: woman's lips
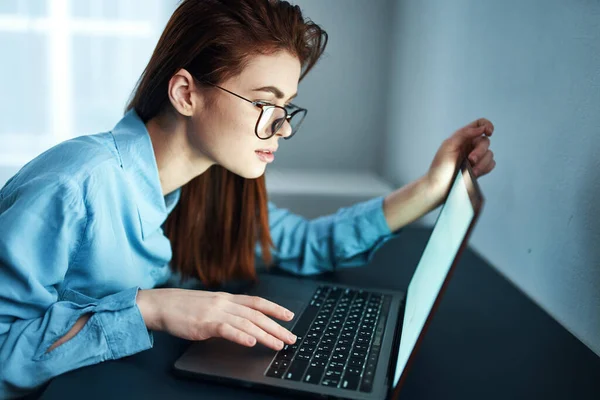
(265, 156)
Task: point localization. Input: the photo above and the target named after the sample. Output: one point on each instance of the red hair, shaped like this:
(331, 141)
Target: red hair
(221, 216)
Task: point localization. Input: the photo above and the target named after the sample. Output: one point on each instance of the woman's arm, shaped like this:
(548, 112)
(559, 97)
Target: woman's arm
(44, 332)
(347, 238)
(409, 203)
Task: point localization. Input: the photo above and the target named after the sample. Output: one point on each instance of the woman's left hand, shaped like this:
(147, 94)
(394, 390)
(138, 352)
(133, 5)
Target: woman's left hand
(472, 140)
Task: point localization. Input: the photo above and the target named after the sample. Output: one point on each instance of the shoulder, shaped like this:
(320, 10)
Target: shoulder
(71, 165)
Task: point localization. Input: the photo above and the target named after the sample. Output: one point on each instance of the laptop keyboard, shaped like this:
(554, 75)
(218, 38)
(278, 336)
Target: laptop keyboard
(339, 338)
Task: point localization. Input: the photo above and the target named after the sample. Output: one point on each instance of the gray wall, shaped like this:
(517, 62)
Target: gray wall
(533, 68)
(345, 94)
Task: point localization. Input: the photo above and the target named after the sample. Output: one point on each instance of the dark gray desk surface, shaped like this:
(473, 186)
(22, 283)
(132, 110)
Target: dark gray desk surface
(487, 341)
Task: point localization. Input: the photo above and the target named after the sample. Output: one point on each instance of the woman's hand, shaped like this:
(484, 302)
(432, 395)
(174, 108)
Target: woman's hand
(472, 140)
(200, 315)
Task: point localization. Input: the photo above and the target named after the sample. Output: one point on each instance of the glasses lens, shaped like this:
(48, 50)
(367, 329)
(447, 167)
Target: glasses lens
(296, 120)
(270, 122)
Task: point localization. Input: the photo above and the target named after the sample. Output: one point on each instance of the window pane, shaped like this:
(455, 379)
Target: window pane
(112, 9)
(30, 8)
(105, 70)
(9, 6)
(24, 83)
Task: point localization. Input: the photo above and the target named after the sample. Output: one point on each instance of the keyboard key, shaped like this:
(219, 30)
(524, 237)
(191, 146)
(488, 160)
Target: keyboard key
(284, 356)
(280, 364)
(366, 385)
(275, 373)
(305, 349)
(350, 381)
(328, 341)
(333, 373)
(330, 382)
(336, 366)
(296, 370)
(356, 362)
(369, 371)
(370, 367)
(358, 354)
(339, 357)
(373, 358)
(314, 374)
(354, 370)
(360, 347)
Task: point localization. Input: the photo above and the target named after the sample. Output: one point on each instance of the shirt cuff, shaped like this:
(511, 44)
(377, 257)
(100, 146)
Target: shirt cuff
(361, 228)
(123, 324)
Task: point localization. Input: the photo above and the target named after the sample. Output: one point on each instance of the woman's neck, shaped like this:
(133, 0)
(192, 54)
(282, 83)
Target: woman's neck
(178, 162)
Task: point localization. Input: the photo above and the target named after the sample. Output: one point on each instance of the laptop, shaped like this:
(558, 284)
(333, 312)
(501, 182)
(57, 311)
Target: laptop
(353, 342)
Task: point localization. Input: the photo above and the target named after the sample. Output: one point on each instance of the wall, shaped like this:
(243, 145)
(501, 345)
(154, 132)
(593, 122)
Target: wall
(533, 69)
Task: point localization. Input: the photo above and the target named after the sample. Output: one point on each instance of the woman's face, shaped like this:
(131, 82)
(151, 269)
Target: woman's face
(224, 129)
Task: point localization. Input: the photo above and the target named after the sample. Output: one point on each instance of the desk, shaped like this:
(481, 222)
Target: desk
(487, 341)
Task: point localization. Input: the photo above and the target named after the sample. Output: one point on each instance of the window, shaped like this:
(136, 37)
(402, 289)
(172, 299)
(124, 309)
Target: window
(68, 68)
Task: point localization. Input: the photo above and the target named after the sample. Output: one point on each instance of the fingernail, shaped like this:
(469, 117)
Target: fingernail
(290, 314)
(292, 337)
(279, 344)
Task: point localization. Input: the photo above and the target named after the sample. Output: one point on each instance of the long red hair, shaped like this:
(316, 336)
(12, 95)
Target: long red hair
(221, 217)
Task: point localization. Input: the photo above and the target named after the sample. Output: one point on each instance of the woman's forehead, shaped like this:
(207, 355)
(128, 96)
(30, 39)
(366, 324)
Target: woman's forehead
(280, 70)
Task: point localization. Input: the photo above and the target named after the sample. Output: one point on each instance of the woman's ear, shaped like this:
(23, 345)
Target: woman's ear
(183, 92)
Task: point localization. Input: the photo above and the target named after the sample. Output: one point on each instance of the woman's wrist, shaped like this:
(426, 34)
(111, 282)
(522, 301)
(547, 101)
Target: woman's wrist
(147, 309)
(409, 203)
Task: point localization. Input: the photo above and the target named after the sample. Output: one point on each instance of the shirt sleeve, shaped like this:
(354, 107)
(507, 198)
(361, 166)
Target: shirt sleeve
(41, 226)
(348, 238)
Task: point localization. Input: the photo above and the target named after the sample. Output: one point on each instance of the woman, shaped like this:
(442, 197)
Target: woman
(94, 226)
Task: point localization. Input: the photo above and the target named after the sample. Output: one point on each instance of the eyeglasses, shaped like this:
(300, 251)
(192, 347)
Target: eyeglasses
(272, 117)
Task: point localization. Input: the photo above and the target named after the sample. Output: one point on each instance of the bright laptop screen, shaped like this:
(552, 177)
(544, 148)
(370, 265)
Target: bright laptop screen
(441, 249)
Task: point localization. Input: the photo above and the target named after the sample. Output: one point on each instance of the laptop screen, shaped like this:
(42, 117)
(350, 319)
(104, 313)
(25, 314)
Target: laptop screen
(446, 238)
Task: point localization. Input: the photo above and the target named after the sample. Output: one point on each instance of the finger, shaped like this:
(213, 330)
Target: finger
(481, 145)
(482, 167)
(488, 168)
(264, 306)
(263, 322)
(251, 329)
(469, 133)
(228, 332)
(481, 122)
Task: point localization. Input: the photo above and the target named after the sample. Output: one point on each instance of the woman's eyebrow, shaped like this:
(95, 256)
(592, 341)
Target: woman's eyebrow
(272, 89)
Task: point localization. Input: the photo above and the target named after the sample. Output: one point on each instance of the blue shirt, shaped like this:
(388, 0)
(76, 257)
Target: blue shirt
(81, 232)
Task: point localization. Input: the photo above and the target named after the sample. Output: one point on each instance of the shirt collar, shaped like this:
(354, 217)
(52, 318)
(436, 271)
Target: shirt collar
(139, 163)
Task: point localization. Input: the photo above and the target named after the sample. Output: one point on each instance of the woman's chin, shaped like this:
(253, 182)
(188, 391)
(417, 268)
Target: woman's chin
(250, 173)
(257, 173)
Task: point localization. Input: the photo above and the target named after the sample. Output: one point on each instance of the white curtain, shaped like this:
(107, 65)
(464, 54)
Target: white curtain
(67, 68)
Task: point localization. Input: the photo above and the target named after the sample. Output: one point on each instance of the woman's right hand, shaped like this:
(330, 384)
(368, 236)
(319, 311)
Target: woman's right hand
(200, 315)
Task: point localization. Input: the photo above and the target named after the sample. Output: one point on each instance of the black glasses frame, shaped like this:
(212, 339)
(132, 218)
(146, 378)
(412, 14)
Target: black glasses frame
(293, 110)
